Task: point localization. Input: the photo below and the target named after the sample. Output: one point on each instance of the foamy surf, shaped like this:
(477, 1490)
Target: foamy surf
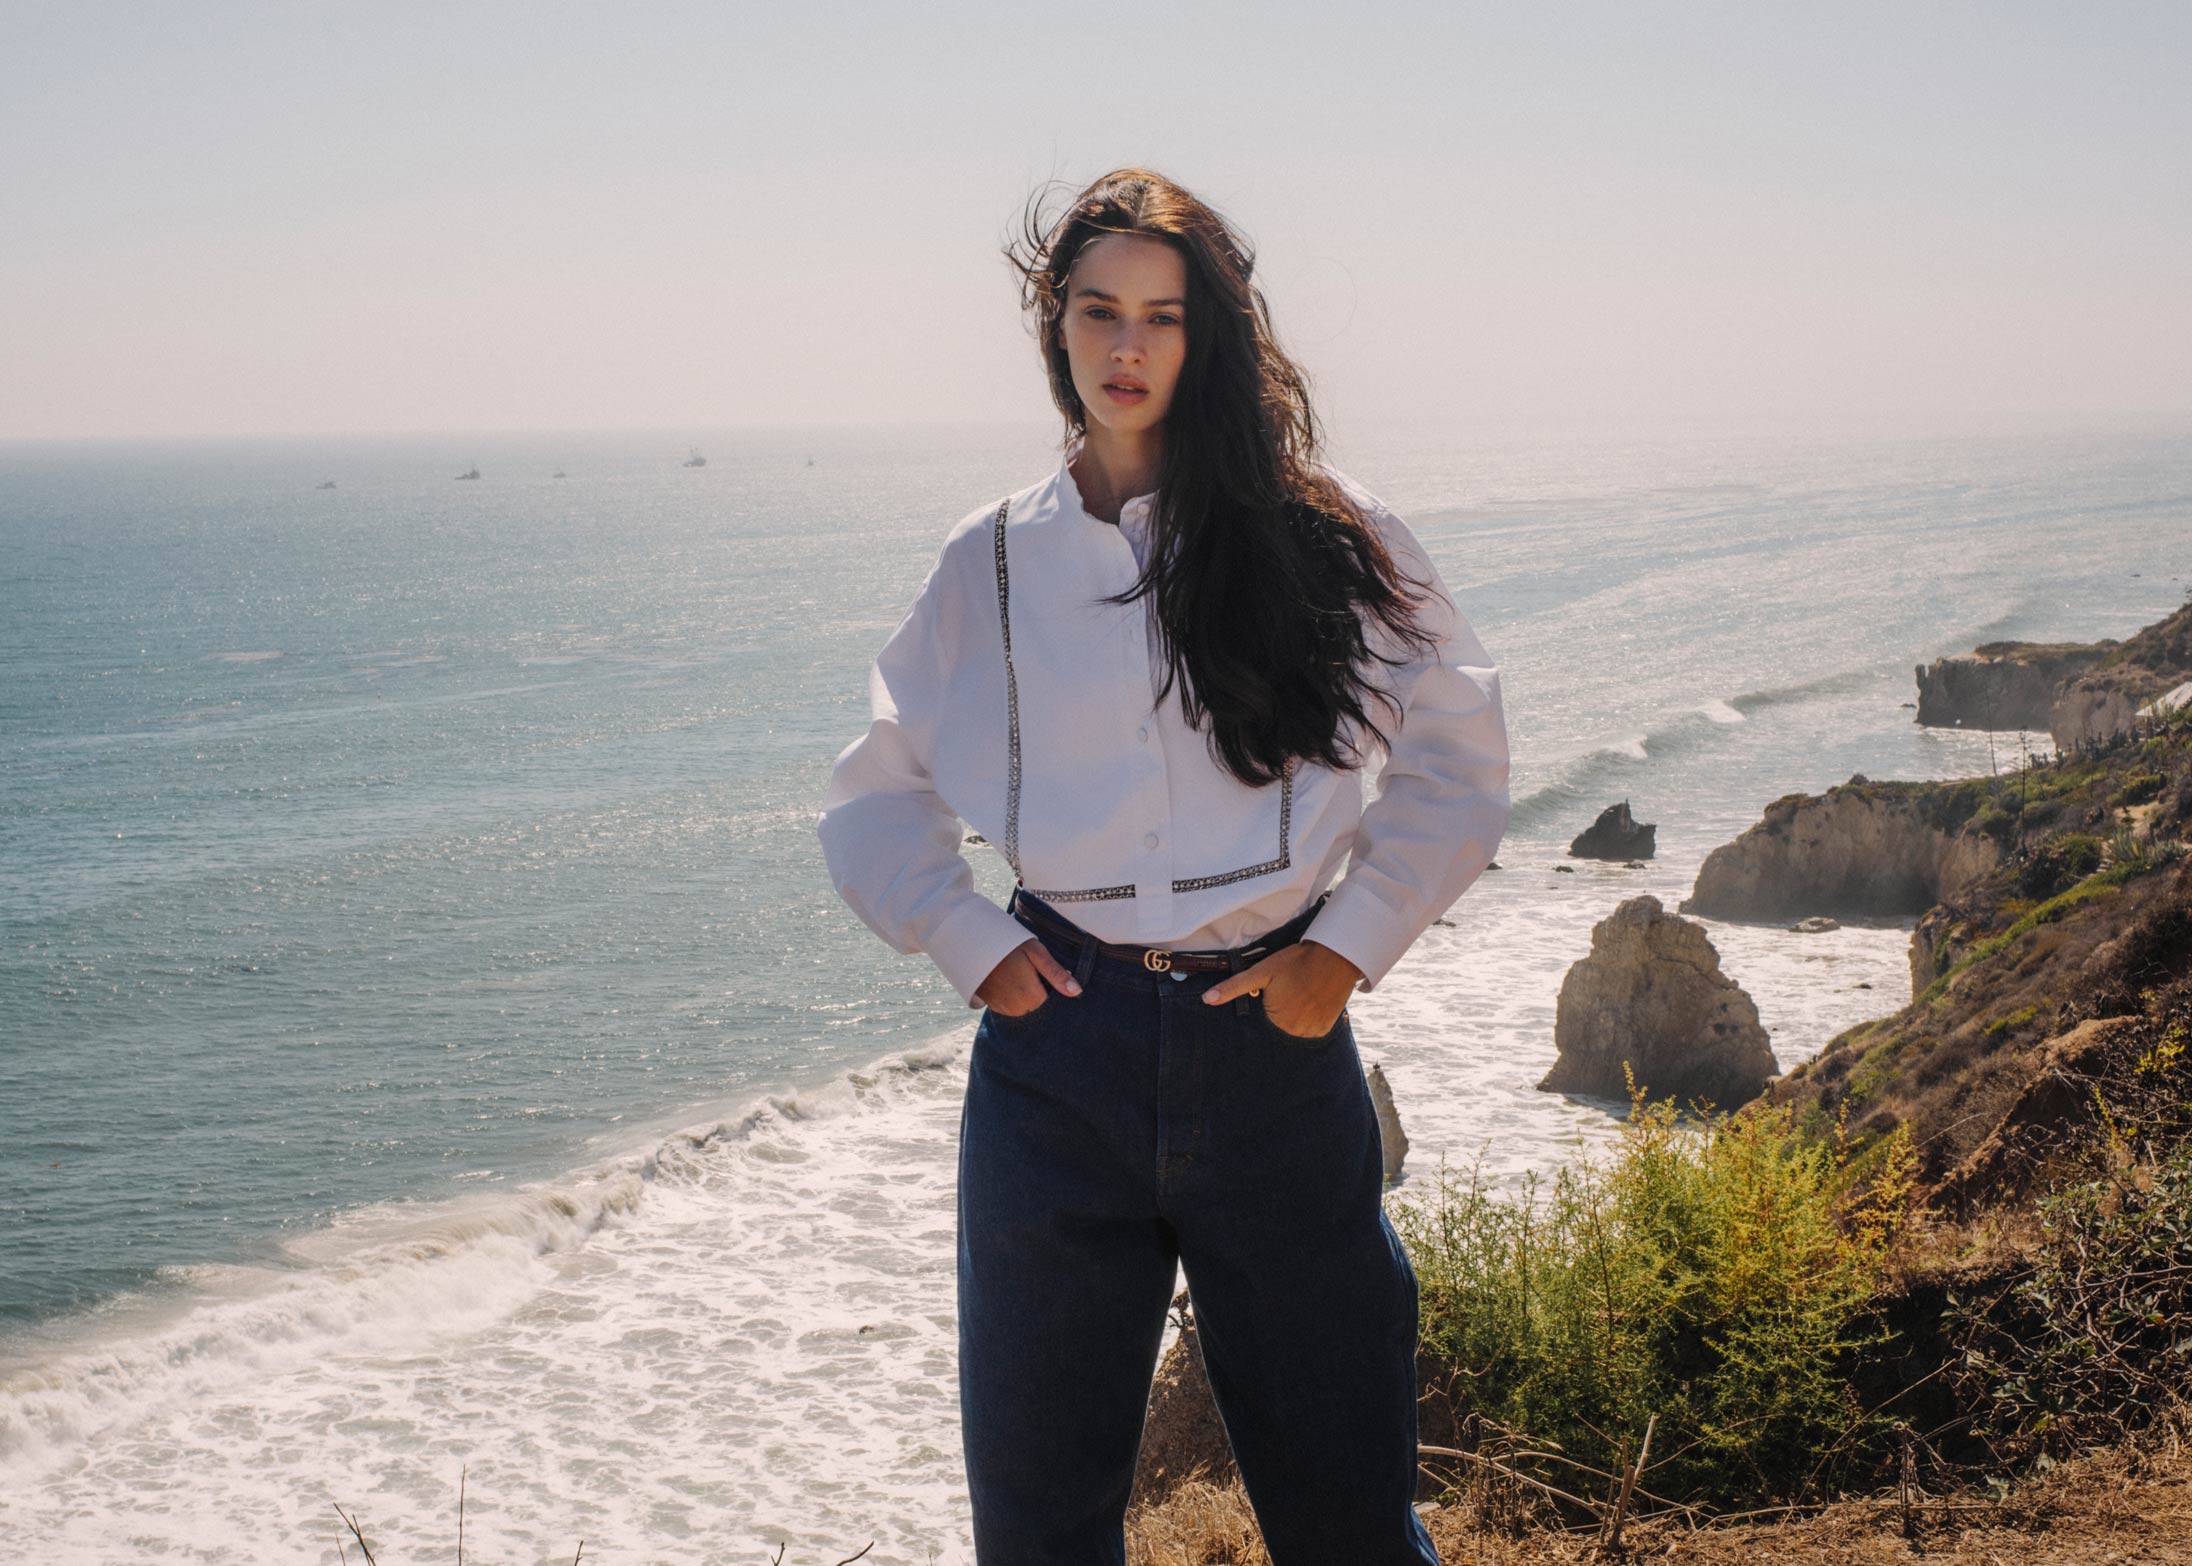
(743, 1332)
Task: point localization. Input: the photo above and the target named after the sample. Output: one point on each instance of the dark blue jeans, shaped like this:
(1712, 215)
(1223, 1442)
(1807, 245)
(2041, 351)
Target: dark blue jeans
(1106, 1137)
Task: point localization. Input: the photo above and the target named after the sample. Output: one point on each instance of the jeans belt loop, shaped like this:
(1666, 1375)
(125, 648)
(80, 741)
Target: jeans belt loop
(1234, 964)
(1086, 965)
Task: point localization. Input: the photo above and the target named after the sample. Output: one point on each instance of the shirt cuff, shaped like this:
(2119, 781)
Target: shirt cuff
(1368, 934)
(972, 941)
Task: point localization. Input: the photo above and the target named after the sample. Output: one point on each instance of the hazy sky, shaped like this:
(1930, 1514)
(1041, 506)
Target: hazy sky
(289, 218)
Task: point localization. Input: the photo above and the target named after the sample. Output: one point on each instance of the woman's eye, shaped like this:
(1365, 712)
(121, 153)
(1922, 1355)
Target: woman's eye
(1168, 320)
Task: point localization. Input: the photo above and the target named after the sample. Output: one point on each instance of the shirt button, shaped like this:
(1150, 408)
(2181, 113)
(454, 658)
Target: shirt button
(1149, 840)
(1145, 734)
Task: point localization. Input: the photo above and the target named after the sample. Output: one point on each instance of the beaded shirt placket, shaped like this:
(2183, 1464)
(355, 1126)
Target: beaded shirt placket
(1012, 775)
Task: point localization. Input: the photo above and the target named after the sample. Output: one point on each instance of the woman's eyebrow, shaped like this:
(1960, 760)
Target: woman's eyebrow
(1097, 293)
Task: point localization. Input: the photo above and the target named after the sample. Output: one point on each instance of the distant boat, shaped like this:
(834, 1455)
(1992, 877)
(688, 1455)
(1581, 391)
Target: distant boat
(559, 473)
(469, 473)
(696, 460)
(810, 462)
(327, 483)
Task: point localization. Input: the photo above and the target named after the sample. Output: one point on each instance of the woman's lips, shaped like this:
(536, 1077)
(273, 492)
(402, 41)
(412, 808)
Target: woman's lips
(1126, 394)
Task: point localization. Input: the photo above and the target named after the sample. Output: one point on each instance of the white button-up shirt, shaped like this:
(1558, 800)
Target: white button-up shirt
(1012, 699)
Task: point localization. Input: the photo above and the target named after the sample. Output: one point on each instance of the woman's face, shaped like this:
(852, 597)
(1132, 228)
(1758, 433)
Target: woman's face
(1125, 329)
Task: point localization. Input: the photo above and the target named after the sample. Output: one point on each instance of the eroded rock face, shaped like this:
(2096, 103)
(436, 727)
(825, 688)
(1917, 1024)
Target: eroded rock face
(1930, 955)
(1615, 835)
(2008, 685)
(2087, 714)
(2100, 703)
(1855, 851)
(1651, 994)
(1394, 1139)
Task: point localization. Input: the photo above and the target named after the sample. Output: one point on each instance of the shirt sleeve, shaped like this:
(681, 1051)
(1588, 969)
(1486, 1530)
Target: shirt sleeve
(1442, 799)
(891, 842)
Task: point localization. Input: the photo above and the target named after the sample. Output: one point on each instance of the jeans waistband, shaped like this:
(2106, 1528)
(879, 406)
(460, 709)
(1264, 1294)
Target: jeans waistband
(1033, 911)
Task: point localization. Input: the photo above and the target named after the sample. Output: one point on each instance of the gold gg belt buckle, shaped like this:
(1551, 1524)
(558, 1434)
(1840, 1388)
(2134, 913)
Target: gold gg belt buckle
(1156, 961)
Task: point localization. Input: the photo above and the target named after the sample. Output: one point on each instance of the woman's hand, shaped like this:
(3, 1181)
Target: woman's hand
(1304, 988)
(1015, 986)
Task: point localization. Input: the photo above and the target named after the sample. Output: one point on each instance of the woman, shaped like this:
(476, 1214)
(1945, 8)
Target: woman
(1153, 680)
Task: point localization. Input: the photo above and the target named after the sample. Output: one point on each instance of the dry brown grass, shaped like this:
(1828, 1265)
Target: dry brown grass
(2128, 1505)
(1198, 1524)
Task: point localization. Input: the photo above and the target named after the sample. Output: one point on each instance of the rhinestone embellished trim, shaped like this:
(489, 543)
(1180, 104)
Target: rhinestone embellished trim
(1012, 774)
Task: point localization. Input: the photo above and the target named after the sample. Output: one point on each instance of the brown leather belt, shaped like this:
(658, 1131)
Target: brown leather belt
(1160, 959)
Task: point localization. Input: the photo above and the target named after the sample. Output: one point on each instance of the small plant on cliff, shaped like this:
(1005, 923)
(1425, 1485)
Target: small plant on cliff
(2140, 787)
(2100, 1329)
(2061, 861)
(2083, 1345)
(2133, 858)
(1716, 1273)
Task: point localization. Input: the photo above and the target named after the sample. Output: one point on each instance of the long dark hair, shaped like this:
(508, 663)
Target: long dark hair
(1260, 565)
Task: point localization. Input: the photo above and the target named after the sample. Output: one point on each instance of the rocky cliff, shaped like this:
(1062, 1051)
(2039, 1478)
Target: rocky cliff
(1861, 849)
(2002, 685)
(2100, 703)
(2086, 919)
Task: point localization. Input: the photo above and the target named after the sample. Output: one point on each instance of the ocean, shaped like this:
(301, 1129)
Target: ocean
(429, 1040)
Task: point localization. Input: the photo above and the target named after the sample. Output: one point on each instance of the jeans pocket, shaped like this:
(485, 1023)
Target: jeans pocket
(1299, 1040)
(1013, 1019)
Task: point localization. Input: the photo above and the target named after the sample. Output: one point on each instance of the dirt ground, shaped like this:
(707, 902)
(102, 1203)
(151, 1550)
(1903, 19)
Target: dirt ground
(2129, 1506)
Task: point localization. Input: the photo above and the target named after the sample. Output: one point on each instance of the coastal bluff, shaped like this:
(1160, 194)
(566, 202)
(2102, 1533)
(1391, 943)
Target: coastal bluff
(2001, 685)
(2103, 702)
(1862, 850)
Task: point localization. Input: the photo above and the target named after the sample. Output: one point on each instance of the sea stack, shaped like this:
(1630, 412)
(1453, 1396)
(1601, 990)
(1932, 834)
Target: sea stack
(1615, 835)
(1651, 995)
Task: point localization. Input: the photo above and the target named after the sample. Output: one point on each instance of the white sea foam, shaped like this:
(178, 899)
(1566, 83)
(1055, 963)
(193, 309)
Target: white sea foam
(743, 1335)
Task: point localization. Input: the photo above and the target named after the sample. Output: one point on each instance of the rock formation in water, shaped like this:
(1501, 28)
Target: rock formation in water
(1615, 835)
(1651, 995)
(1861, 849)
(2001, 685)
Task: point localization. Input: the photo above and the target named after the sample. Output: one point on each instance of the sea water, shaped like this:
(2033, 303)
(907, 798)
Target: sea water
(430, 1045)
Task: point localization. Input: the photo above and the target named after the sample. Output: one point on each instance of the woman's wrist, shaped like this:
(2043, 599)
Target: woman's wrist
(1330, 962)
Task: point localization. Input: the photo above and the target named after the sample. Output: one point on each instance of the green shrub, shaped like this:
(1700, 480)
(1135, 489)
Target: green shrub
(1716, 1273)
(1997, 823)
(2138, 788)
(2100, 1328)
(2016, 1019)
(2104, 883)
(2059, 862)
(1873, 1071)
(2131, 855)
